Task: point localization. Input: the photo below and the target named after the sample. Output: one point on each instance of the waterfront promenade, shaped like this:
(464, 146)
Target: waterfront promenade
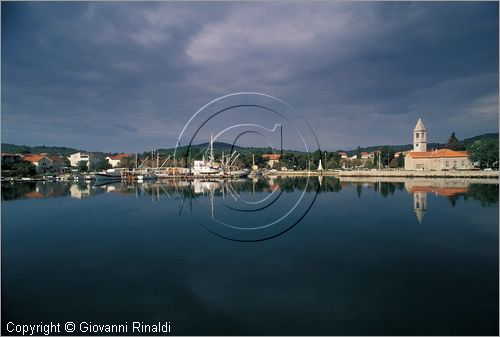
(396, 174)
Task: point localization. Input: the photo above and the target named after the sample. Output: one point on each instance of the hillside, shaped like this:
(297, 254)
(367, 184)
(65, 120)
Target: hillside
(465, 143)
(220, 147)
(55, 150)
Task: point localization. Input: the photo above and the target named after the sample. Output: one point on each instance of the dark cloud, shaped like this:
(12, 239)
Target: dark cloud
(127, 76)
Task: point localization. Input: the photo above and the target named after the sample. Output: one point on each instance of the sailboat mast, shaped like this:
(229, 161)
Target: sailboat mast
(211, 147)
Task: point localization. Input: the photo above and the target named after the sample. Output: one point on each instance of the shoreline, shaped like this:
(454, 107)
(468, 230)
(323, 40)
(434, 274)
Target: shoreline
(395, 174)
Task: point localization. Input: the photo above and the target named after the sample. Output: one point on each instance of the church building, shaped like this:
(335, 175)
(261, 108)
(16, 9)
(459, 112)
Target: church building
(438, 160)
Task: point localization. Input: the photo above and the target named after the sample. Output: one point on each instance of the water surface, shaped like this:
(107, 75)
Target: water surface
(368, 258)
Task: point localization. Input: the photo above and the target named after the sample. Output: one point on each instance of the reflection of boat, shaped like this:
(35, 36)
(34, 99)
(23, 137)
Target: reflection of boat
(110, 174)
(205, 186)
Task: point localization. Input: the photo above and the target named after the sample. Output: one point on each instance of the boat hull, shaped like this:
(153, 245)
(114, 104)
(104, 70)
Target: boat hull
(107, 177)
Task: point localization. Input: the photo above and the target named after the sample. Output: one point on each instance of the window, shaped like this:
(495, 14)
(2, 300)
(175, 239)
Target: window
(417, 134)
(416, 145)
(447, 164)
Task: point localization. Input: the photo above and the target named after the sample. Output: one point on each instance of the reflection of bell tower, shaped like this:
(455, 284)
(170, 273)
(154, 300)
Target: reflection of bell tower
(420, 204)
(420, 137)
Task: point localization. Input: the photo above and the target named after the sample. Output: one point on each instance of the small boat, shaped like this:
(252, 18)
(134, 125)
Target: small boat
(148, 175)
(109, 174)
(238, 173)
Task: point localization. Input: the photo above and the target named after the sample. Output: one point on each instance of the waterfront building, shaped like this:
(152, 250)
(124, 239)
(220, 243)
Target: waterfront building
(10, 158)
(44, 163)
(89, 158)
(273, 158)
(114, 161)
(437, 160)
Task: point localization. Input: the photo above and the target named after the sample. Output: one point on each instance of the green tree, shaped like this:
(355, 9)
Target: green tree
(102, 165)
(453, 143)
(485, 151)
(358, 153)
(23, 169)
(369, 164)
(386, 155)
(401, 160)
(82, 166)
(333, 160)
(128, 162)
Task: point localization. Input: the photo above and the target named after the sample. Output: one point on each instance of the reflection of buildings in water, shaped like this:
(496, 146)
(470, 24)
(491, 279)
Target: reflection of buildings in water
(79, 191)
(42, 189)
(444, 188)
(420, 204)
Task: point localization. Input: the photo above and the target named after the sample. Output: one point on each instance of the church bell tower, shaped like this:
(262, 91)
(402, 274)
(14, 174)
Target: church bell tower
(420, 137)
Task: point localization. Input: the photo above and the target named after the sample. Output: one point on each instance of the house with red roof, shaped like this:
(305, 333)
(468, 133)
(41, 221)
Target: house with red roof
(114, 161)
(44, 162)
(273, 158)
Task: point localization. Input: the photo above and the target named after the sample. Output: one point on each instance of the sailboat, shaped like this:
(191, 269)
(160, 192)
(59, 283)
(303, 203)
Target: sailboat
(204, 168)
(255, 169)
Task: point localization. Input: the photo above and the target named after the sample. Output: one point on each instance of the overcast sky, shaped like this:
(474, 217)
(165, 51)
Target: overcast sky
(127, 76)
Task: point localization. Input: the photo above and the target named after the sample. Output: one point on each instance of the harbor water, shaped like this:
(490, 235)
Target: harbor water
(363, 257)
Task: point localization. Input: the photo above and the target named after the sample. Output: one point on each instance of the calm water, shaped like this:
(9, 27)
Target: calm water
(367, 258)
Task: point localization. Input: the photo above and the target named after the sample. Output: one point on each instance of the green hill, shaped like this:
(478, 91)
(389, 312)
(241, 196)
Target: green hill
(54, 150)
(465, 143)
(220, 147)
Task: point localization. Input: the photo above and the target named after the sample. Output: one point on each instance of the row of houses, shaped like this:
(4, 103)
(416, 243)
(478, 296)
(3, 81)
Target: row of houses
(364, 155)
(45, 162)
(92, 159)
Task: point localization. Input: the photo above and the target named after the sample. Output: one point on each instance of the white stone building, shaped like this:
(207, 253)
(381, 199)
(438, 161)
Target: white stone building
(435, 160)
(114, 161)
(89, 158)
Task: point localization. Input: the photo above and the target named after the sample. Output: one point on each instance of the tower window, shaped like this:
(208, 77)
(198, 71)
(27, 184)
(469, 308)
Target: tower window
(417, 134)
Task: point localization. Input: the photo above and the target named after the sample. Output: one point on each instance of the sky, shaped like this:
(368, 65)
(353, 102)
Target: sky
(127, 76)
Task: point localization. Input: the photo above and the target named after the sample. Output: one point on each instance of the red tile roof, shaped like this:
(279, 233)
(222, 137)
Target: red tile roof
(33, 158)
(442, 153)
(272, 156)
(442, 191)
(120, 156)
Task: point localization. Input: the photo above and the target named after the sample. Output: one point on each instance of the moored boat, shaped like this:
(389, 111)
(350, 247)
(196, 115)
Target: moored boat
(109, 174)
